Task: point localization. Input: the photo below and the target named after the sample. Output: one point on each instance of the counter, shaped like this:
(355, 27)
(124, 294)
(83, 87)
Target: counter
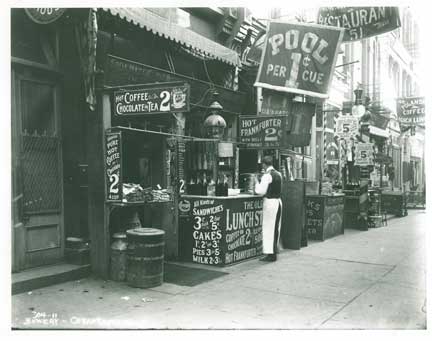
(324, 216)
(220, 230)
(394, 203)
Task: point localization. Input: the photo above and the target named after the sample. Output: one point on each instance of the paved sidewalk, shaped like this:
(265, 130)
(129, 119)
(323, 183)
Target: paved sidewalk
(372, 279)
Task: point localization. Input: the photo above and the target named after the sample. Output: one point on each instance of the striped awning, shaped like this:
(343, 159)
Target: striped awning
(164, 28)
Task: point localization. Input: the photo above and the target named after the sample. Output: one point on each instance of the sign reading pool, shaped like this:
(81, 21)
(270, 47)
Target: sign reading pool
(154, 99)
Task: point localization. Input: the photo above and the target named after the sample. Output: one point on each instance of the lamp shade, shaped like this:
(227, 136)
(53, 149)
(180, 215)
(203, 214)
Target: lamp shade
(215, 120)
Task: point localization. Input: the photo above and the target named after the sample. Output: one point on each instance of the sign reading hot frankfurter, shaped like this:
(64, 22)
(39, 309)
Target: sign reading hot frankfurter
(360, 22)
(262, 131)
(411, 110)
(152, 100)
(299, 58)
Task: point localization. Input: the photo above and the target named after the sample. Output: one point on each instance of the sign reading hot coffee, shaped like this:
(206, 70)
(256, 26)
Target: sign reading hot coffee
(152, 100)
(44, 15)
(360, 22)
(299, 58)
(262, 131)
(113, 166)
(411, 110)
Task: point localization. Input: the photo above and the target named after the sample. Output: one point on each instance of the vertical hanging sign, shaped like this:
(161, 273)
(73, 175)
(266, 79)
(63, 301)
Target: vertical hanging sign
(299, 58)
(113, 167)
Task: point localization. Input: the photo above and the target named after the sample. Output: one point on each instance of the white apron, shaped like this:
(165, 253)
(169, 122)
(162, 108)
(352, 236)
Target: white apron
(270, 209)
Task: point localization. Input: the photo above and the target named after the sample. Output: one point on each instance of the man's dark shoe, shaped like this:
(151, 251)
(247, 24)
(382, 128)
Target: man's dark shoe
(269, 258)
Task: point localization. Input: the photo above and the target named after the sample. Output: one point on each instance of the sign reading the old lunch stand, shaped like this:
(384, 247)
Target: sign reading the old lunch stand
(152, 100)
(262, 131)
(299, 58)
(411, 110)
(360, 22)
(44, 15)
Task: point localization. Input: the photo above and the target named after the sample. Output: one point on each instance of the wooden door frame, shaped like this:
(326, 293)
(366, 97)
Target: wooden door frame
(18, 228)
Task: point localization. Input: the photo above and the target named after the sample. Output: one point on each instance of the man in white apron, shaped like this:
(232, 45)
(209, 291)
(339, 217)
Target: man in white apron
(270, 186)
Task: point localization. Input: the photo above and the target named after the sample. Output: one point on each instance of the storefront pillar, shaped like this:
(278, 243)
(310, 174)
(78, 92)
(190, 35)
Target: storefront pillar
(98, 213)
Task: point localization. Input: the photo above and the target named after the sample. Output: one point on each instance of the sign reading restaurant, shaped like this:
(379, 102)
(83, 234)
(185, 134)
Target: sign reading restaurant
(360, 22)
(153, 99)
(299, 58)
(411, 110)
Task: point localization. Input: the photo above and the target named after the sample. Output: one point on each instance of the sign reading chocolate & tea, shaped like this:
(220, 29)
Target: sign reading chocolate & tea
(299, 58)
(152, 100)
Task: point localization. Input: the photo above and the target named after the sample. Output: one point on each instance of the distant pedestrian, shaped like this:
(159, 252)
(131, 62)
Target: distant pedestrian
(270, 186)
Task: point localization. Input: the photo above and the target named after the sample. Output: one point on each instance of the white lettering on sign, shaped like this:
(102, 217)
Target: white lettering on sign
(308, 45)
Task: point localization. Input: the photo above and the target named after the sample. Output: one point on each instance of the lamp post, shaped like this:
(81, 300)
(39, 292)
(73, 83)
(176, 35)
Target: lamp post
(215, 124)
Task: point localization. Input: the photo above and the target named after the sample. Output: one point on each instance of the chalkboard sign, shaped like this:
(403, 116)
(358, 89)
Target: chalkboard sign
(315, 217)
(243, 229)
(113, 166)
(262, 131)
(152, 100)
(220, 231)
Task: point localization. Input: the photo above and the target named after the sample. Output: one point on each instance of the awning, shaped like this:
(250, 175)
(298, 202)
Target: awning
(378, 131)
(163, 28)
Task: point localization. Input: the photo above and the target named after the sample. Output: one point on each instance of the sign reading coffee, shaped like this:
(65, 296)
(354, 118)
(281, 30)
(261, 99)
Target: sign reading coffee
(299, 58)
(152, 100)
(360, 22)
(262, 131)
(44, 15)
(411, 110)
(113, 166)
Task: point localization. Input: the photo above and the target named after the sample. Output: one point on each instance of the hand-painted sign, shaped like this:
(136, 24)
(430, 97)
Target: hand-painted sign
(44, 15)
(360, 22)
(218, 232)
(364, 154)
(299, 58)
(113, 166)
(411, 110)
(152, 100)
(347, 126)
(262, 131)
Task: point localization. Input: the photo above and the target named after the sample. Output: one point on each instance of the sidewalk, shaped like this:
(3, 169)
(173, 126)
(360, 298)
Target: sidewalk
(372, 279)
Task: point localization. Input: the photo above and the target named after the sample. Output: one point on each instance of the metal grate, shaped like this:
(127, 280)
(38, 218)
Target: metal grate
(41, 174)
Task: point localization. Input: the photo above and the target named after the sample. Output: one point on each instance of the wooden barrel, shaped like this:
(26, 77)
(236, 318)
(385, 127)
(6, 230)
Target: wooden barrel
(145, 257)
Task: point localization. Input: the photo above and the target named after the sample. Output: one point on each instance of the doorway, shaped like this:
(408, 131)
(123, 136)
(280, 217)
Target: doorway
(37, 187)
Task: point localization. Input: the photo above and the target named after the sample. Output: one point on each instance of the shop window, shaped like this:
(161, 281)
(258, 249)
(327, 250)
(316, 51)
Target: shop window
(37, 108)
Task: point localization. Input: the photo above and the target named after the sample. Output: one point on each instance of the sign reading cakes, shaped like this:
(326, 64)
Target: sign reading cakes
(411, 110)
(223, 231)
(262, 131)
(299, 58)
(152, 100)
(360, 22)
(113, 166)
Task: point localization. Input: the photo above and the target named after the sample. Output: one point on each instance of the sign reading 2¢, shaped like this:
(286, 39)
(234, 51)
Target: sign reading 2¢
(113, 167)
